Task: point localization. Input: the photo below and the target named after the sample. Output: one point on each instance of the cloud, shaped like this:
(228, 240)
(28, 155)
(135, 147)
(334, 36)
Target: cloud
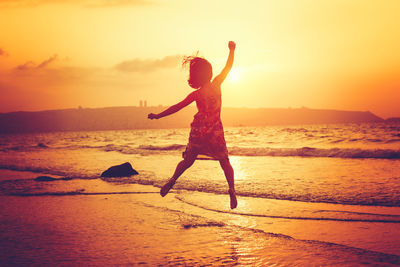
(84, 3)
(29, 65)
(149, 65)
(3, 52)
(47, 62)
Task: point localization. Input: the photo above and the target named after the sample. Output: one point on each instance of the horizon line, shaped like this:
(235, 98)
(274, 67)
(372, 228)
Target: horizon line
(160, 106)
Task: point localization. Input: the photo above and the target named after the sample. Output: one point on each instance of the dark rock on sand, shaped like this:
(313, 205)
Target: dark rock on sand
(122, 170)
(45, 179)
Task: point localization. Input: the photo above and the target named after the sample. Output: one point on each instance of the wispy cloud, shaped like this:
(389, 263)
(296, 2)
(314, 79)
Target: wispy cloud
(84, 3)
(149, 65)
(29, 65)
(47, 61)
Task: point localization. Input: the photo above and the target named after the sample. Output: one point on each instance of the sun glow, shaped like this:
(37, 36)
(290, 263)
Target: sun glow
(235, 75)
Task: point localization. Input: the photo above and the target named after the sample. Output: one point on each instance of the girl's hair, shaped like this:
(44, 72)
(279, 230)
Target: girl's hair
(200, 71)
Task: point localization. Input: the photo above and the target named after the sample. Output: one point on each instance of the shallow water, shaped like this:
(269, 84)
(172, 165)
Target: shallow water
(329, 180)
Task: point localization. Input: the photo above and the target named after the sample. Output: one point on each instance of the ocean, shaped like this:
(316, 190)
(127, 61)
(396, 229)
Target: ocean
(341, 174)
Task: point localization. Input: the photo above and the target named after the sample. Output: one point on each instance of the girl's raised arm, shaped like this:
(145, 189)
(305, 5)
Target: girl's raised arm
(175, 108)
(228, 66)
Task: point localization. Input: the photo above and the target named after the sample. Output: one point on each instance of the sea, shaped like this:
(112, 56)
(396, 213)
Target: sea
(353, 170)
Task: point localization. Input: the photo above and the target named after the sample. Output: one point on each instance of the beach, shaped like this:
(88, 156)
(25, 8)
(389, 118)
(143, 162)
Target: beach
(293, 210)
(143, 228)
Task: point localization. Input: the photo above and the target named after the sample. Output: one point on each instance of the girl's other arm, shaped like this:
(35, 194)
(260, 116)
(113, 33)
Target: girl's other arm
(175, 108)
(228, 66)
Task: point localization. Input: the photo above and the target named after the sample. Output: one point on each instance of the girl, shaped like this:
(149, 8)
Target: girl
(206, 134)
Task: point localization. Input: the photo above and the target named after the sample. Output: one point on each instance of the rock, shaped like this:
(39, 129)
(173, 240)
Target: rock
(122, 170)
(45, 179)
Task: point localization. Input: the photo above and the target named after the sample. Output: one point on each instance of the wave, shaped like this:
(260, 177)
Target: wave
(29, 169)
(49, 171)
(149, 178)
(355, 153)
(24, 147)
(317, 152)
(25, 187)
(77, 192)
(299, 214)
(296, 152)
(168, 147)
(277, 208)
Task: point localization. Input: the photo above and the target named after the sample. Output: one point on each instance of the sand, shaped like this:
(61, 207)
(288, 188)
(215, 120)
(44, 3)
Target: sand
(139, 227)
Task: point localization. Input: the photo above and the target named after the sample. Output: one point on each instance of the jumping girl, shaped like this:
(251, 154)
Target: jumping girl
(207, 133)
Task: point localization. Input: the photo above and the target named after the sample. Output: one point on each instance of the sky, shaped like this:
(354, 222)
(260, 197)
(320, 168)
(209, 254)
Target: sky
(336, 54)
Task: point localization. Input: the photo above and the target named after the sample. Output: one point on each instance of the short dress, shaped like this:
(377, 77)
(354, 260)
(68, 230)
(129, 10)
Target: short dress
(207, 133)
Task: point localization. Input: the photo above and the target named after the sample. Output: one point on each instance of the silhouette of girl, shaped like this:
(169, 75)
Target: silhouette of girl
(206, 134)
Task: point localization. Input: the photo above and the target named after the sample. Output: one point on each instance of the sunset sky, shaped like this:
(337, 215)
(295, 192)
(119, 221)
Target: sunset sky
(336, 54)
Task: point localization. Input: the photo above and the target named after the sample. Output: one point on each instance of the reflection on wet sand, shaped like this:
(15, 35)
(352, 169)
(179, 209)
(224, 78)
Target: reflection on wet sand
(143, 229)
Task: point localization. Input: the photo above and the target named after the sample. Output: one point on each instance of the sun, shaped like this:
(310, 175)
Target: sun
(235, 75)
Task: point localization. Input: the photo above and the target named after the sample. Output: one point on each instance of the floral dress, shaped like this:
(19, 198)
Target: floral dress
(207, 133)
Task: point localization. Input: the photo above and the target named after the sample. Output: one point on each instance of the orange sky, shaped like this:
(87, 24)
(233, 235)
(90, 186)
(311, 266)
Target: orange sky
(335, 54)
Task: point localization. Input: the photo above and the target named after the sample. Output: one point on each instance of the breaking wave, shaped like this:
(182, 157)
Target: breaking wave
(354, 153)
(317, 152)
(296, 152)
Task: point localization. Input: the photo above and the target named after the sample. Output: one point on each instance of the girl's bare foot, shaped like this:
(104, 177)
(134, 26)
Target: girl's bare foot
(165, 189)
(232, 194)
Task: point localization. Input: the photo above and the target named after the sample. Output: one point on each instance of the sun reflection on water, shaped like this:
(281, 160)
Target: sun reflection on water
(240, 173)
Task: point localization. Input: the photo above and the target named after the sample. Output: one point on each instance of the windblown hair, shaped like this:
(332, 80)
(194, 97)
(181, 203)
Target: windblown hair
(200, 71)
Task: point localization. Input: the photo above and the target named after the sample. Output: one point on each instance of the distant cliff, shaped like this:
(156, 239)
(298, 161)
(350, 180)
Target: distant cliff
(279, 116)
(119, 118)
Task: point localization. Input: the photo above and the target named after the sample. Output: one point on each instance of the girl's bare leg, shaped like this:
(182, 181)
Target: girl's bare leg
(229, 174)
(180, 168)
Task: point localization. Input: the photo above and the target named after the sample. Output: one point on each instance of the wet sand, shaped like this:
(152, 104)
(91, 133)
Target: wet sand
(140, 227)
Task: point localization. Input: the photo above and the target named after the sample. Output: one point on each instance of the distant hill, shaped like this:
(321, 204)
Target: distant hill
(119, 118)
